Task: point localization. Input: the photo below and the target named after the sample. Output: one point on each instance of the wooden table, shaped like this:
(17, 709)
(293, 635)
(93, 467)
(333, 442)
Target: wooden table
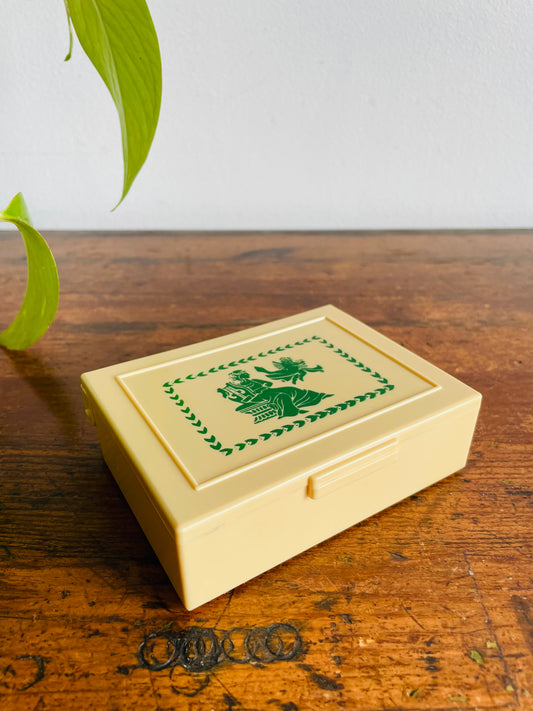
(428, 605)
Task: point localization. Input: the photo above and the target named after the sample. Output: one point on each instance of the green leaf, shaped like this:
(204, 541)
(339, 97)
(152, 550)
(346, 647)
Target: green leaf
(476, 655)
(70, 38)
(120, 40)
(42, 290)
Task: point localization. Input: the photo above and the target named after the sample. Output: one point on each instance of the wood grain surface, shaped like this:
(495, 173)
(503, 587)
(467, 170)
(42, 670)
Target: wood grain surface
(428, 605)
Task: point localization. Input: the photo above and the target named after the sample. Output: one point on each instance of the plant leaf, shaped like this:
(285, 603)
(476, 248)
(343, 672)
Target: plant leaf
(42, 290)
(120, 40)
(476, 655)
(70, 38)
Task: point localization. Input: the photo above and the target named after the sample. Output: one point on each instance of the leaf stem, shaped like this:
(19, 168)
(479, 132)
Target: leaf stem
(70, 34)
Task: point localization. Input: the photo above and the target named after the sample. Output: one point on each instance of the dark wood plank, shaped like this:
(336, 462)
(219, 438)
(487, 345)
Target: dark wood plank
(428, 605)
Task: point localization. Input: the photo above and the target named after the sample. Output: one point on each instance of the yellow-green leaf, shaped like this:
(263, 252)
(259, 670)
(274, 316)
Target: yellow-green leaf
(70, 38)
(476, 655)
(119, 38)
(42, 289)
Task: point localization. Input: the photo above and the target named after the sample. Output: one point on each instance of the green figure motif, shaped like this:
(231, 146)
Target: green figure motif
(263, 401)
(289, 369)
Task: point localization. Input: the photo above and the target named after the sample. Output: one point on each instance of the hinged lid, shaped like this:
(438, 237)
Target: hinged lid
(315, 399)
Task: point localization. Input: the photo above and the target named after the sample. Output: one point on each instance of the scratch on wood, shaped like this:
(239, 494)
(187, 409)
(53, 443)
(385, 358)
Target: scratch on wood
(398, 556)
(490, 625)
(408, 612)
(230, 700)
(228, 603)
(523, 616)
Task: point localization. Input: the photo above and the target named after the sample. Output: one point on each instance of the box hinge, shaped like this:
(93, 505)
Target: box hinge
(88, 407)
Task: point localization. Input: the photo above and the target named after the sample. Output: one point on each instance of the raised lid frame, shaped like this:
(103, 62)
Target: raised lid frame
(354, 390)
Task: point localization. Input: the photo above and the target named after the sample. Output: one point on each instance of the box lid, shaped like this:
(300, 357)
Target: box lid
(317, 396)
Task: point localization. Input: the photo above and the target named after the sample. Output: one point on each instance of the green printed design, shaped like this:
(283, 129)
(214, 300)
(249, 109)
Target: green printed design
(281, 374)
(265, 399)
(241, 361)
(195, 421)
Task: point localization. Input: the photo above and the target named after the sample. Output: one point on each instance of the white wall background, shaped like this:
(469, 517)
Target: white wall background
(282, 114)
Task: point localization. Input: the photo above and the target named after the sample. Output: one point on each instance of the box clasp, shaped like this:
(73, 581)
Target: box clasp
(350, 469)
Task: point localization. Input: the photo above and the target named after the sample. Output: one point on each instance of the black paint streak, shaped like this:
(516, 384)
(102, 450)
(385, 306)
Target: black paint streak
(6, 552)
(189, 692)
(325, 683)
(431, 664)
(9, 670)
(156, 605)
(110, 618)
(306, 667)
(123, 669)
(231, 701)
(274, 254)
(39, 673)
(327, 603)
(290, 706)
(200, 649)
(320, 680)
(111, 327)
(525, 493)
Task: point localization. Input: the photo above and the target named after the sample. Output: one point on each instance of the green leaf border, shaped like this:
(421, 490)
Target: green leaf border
(216, 445)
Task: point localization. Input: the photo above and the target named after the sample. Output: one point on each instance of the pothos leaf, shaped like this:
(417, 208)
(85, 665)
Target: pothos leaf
(42, 289)
(120, 40)
(70, 38)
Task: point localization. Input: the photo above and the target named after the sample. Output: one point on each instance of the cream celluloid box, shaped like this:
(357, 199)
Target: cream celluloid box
(239, 452)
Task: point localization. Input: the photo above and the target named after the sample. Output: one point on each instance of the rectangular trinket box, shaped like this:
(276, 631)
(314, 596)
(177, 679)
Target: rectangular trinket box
(237, 453)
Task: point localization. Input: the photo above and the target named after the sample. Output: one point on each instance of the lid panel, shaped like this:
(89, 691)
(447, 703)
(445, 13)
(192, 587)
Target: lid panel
(224, 410)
